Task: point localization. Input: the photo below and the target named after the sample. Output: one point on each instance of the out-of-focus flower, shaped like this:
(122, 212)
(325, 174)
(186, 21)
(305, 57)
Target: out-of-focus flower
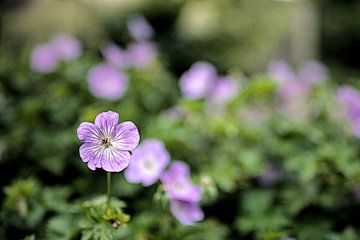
(178, 184)
(224, 90)
(198, 81)
(141, 54)
(105, 81)
(147, 162)
(294, 85)
(44, 59)
(115, 55)
(140, 28)
(270, 176)
(349, 99)
(67, 47)
(312, 72)
(281, 71)
(186, 212)
(106, 144)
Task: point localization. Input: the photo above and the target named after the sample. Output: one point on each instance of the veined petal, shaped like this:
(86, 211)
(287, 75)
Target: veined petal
(92, 154)
(186, 212)
(88, 132)
(114, 160)
(127, 136)
(107, 122)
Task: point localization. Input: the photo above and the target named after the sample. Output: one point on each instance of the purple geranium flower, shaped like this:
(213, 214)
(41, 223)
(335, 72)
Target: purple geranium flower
(105, 81)
(224, 90)
(139, 28)
(106, 144)
(115, 55)
(186, 212)
(270, 176)
(147, 162)
(178, 184)
(44, 59)
(67, 47)
(141, 54)
(293, 84)
(349, 99)
(198, 81)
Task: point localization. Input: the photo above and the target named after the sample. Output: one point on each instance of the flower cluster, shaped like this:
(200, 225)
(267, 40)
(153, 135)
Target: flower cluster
(349, 99)
(109, 80)
(202, 81)
(46, 57)
(296, 84)
(148, 164)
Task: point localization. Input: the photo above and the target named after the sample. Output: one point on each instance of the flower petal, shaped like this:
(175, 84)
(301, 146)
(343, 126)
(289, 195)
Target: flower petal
(88, 132)
(127, 136)
(186, 212)
(114, 160)
(107, 122)
(92, 154)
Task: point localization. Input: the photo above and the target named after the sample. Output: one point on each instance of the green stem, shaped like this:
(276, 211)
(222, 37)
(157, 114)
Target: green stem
(108, 182)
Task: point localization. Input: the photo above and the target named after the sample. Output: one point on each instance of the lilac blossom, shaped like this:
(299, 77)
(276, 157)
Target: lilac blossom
(44, 59)
(141, 54)
(178, 184)
(115, 55)
(105, 81)
(140, 28)
(186, 212)
(106, 144)
(67, 47)
(349, 99)
(198, 81)
(224, 90)
(147, 163)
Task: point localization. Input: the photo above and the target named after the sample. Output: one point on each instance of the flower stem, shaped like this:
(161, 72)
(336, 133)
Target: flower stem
(108, 182)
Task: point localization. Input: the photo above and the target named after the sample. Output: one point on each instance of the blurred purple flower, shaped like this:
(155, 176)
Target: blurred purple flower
(105, 81)
(296, 85)
(349, 99)
(224, 90)
(147, 163)
(67, 47)
(178, 184)
(44, 59)
(115, 55)
(312, 72)
(281, 71)
(270, 176)
(186, 212)
(198, 81)
(106, 144)
(140, 28)
(141, 54)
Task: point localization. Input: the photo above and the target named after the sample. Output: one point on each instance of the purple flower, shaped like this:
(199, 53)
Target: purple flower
(147, 163)
(106, 144)
(139, 28)
(44, 59)
(67, 47)
(281, 71)
(115, 55)
(224, 90)
(178, 184)
(141, 54)
(312, 72)
(105, 81)
(349, 99)
(186, 212)
(198, 81)
(270, 176)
